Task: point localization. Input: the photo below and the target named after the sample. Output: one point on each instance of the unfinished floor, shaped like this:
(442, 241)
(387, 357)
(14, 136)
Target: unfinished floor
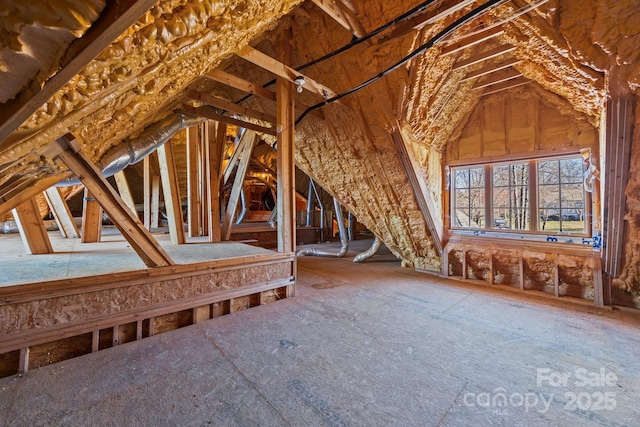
(361, 344)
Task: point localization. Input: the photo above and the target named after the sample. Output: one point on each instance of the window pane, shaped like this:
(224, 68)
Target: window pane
(462, 199)
(519, 174)
(476, 198)
(476, 177)
(461, 218)
(500, 175)
(571, 170)
(501, 198)
(572, 195)
(461, 178)
(477, 218)
(548, 172)
(519, 219)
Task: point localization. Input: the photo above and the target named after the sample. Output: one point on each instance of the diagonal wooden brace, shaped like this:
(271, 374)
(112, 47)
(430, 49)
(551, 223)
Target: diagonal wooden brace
(129, 225)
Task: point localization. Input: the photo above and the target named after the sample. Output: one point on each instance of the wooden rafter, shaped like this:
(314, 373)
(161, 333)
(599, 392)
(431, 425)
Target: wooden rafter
(343, 14)
(509, 84)
(483, 56)
(497, 78)
(284, 71)
(223, 104)
(491, 68)
(116, 17)
(61, 213)
(32, 230)
(171, 191)
(209, 113)
(472, 40)
(129, 225)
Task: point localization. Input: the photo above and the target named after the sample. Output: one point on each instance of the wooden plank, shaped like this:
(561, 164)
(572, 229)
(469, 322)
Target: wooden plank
(146, 190)
(215, 153)
(201, 313)
(283, 71)
(497, 78)
(141, 241)
(285, 113)
(342, 15)
(223, 104)
(483, 56)
(193, 193)
(114, 19)
(95, 341)
(139, 329)
(61, 213)
(209, 113)
(34, 234)
(491, 68)
(155, 201)
(598, 286)
(235, 156)
(91, 218)
(238, 183)
(15, 196)
(472, 40)
(556, 276)
(23, 362)
(125, 191)
(509, 84)
(171, 191)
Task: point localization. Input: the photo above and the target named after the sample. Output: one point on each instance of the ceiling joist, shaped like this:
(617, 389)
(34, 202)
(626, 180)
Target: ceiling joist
(491, 68)
(343, 13)
(509, 84)
(230, 106)
(472, 40)
(209, 113)
(483, 56)
(281, 70)
(116, 17)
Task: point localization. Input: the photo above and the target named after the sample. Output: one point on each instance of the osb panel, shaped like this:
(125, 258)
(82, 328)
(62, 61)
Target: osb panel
(56, 351)
(245, 302)
(506, 268)
(51, 311)
(538, 271)
(478, 265)
(172, 321)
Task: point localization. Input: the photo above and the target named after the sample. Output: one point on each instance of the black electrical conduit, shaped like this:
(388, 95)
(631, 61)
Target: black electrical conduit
(429, 44)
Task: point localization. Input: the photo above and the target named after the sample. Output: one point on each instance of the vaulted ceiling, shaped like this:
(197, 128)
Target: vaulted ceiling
(104, 71)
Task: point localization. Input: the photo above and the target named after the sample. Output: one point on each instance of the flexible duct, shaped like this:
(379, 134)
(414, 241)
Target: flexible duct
(343, 238)
(132, 151)
(243, 209)
(375, 247)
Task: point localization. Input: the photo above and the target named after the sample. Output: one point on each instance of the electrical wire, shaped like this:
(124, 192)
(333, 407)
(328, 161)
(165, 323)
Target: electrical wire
(430, 43)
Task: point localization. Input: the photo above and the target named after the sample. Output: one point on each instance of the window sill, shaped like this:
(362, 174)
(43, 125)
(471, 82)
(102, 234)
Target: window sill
(563, 239)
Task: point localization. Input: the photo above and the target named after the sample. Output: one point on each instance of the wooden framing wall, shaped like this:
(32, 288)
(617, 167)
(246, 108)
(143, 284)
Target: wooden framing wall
(83, 315)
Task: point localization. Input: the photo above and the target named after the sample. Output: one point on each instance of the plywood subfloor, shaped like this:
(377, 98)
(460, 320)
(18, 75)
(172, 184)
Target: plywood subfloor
(113, 254)
(371, 344)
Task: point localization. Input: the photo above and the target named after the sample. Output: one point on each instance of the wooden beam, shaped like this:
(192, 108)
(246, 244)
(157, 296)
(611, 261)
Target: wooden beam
(510, 84)
(285, 112)
(15, 196)
(129, 225)
(91, 218)
(284, 71)
(193, 193)
(215, 152)
(342, 15)
(483, 56)
(497, 78)
(472, 40)
(125, 191)
(171, 191)
(155, 201)
(61, 213)
(114, 19)
(230, 106)
(250, 140)
(34, 234)
(491, 68)
(254, 89)
(146, 192)
(209, 113)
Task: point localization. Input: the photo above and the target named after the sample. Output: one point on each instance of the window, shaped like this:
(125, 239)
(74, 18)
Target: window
(529, 196)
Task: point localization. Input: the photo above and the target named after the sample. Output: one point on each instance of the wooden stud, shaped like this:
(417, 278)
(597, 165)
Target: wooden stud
(142, 242)
(139, 329)
(497, 78)
(506, 85)
(32, 230)
(155, 201)
(342, 15)
(18, 194)
(193, 193)
(125, 191)
(171, 190)
(23, 363)
(146, 190)
(152, 326)
(283, 71)
(491, 253)
(61, 213)
(111, 23)
(230, 106)
(521, 270)
(483, 56)
(215, 153)
(472, 40)
(95, 341)
(556, 277)
(210, 113)
(115, 335)
(285, 113)
(91, 218)
(201, 314)
(491, 68)
(238, 183)
(598, 288)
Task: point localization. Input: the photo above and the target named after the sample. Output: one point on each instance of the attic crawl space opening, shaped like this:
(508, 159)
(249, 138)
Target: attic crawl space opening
(490, 141)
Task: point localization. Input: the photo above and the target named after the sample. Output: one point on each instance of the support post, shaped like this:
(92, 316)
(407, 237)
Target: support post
(125, 191)
(214, 165)
(91, 218)
(32, 230)
(172, 201)
(146, 189)
(193, 201)
(155, 200)
(61, 213)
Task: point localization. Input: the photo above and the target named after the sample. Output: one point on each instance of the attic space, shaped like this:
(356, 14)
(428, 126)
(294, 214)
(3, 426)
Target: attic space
(177, 165)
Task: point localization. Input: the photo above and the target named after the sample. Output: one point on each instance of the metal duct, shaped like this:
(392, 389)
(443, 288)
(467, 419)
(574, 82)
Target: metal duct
(132, 151)
(273, 218)
(343, 238)
(375, 247)
(243, 209)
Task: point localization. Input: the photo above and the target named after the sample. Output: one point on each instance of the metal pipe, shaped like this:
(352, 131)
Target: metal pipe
(309, 202)
(312, 251)
(243, 209)
(322, 218)
(273, 221)
(132, 151)
(375, 247)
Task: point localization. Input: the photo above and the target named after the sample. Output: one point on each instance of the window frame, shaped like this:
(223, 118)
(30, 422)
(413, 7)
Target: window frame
(533, 186)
